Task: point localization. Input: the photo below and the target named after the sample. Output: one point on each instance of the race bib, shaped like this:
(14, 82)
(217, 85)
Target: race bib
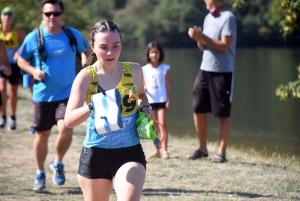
(107, 111)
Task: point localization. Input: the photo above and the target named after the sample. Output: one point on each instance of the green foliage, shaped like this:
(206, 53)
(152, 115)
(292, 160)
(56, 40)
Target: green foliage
(28, 14)
(291, 11)
(166, 21)
(292, 89)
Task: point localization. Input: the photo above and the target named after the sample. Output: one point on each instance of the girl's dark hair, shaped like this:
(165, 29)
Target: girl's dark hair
(59, 2)
(101, 26)
(154, 44)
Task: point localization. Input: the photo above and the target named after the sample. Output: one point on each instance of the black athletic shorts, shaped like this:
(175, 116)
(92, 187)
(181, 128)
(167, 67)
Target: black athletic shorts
(156, 106)
(99, 163)
(213, 93)
(15, 76)
(46, 114)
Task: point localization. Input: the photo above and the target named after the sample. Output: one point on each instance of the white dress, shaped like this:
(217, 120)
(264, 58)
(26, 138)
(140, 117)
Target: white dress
(155, 83)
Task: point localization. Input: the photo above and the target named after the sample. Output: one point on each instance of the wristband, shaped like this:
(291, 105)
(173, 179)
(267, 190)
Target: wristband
(147, 106)
(91, 108)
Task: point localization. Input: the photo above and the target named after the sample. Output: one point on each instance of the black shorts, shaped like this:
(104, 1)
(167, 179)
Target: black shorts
(156, 106)
(15, 76)
(99, 163)
(46, 114)
(213, 93)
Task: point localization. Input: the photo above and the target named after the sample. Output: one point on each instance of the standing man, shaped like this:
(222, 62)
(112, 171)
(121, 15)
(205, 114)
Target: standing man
(51, 90)
(12, 38)
(213, 85)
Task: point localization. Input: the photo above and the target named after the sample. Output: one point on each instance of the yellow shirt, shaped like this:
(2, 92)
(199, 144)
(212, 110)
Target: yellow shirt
(129, 106)
(11, 43)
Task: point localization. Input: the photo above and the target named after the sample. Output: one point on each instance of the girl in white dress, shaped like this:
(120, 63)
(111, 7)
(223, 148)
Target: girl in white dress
(158, 91)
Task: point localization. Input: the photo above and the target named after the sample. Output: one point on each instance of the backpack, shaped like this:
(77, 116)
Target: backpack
(40, 41)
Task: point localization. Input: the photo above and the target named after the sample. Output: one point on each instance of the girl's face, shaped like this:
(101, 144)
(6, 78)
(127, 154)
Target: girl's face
(154, 55)
(107, 47)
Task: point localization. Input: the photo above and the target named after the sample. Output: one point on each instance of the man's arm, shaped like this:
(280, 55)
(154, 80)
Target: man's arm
(85, 55)
(21, 36)
(201, 45)
(25, 66)
(83, 58)
(4, 62)
(221, 45)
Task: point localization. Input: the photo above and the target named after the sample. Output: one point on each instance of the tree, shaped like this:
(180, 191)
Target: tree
(28, 14)
(291, 11)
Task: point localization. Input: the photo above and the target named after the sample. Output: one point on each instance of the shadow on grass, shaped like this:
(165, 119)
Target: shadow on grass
(262, 165)
(61, 191)
(180, 192)
(148, 192)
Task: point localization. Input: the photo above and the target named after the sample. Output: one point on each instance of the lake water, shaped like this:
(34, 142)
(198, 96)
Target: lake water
(259, 120)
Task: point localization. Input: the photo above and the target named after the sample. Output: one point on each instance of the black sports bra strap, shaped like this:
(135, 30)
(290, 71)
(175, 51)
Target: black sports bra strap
(101, 90)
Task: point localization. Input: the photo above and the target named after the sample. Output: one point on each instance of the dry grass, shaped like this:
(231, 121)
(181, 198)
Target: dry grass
(248, 175)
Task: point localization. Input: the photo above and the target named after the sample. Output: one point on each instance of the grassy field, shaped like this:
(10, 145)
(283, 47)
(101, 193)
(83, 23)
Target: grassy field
(248, 175)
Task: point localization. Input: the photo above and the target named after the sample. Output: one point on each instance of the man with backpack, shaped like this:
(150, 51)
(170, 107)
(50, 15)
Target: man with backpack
(49, 55)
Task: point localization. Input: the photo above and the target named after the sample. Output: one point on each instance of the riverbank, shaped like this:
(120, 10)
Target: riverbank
(247, 175)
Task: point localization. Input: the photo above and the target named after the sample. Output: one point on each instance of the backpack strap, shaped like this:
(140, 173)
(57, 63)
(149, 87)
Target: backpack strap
(94, 87)
(41, 49)
(73, 41)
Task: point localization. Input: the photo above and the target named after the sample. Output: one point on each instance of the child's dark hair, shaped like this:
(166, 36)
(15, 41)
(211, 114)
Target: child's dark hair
(154, 44)
(59, 2)
(101, 26)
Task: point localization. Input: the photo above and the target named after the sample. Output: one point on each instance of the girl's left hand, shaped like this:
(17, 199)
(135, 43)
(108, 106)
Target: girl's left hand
(148, 111)
(168, 105)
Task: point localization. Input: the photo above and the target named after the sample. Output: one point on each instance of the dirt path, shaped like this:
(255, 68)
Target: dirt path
(247, 175)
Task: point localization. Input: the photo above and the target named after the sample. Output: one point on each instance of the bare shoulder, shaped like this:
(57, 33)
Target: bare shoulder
(136, 68)
(83, 78)
(21, 34)
(136, 65)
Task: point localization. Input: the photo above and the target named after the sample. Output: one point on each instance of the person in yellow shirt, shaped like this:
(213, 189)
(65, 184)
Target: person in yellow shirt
(4, 64)
(12, 38)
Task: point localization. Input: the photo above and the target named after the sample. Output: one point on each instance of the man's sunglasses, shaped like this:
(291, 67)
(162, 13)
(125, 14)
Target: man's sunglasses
(55, 14)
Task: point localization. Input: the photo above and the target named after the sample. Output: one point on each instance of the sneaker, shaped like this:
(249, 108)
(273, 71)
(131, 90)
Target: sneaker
(12, 124)
(40, 182)
(32, 131)
(2, 122)
(58, 177)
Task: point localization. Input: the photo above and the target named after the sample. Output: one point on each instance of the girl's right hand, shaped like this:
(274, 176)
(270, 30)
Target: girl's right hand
(148, 111)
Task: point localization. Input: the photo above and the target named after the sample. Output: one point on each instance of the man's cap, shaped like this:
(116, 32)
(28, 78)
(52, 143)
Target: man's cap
(7, 10)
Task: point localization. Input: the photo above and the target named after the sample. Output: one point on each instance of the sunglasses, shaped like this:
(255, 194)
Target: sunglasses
(55, 14)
